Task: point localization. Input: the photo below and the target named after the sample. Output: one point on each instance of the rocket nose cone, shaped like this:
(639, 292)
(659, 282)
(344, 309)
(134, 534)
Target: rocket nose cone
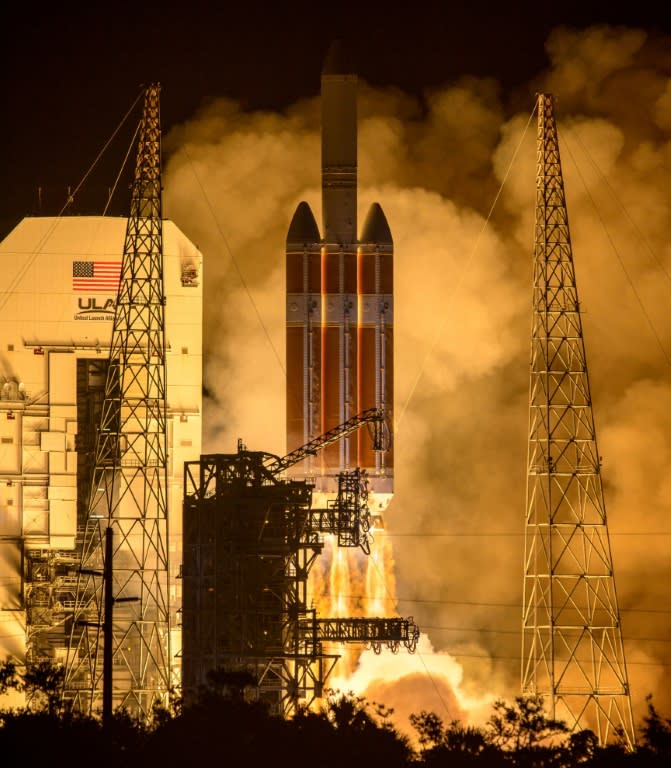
(338, 60)
(376, 228)
(303, 228)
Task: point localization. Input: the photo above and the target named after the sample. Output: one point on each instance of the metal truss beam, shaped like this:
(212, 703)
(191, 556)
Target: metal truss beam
(372, 416)
(347, 516)
(572, 650)
(391, 633)
(250, 540)
(129, 487)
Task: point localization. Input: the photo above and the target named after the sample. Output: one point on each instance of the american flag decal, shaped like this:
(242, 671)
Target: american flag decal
(96, 276)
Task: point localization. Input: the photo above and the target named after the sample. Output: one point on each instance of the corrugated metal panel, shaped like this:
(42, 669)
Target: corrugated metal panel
(10, 510)
(62, 372)
(10, 442)
(56, 462)
(52, 441)
(62, 518)
(57, 491)
(35, 520)
(34, 460)
(71, 463)
(10, 567)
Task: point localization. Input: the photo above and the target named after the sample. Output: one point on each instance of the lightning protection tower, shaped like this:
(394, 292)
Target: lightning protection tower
(121, 658)
(572, 650)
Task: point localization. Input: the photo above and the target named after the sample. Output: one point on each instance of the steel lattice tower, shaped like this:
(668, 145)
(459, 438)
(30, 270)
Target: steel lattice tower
(572, 650)
(128, 502)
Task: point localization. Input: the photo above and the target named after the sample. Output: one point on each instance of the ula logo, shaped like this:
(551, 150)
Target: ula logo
(90, 309)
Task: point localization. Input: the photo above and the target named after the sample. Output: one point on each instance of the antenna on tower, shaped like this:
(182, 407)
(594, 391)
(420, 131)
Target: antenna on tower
(128, 497)
(572, 649)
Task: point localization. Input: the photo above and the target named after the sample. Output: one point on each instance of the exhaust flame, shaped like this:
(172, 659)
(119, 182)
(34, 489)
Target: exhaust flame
(338, 583)
(404, 682)
(380, 584)
(345, 583)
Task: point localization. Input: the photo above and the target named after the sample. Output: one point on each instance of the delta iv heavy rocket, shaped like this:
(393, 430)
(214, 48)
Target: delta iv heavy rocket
(340, 337)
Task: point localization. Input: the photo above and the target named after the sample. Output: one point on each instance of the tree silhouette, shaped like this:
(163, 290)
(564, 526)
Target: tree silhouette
(43, 684)
(523, 724)
(656, 734)
(456, 745)
(9, 679)
(225, 723)
(350, 730)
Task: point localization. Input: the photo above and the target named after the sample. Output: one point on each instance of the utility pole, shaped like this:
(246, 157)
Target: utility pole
(129, 656)
(572, 649)
(108, 631)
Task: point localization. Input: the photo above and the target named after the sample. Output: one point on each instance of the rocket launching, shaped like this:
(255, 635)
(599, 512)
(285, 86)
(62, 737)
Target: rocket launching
(339, 349)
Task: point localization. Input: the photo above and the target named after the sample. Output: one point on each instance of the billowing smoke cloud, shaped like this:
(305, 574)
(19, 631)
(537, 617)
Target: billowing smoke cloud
(462, 317)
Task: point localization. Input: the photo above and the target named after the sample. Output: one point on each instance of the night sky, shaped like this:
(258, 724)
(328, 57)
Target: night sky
(69, 75)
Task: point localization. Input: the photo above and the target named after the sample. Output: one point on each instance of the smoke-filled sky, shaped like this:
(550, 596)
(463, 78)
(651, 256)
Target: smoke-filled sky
(462, 319)
(447, 147)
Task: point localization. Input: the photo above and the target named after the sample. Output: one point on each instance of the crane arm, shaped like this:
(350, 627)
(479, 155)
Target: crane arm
(371, 415)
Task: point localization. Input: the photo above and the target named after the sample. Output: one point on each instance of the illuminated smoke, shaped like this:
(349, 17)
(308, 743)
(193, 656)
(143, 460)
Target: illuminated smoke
(408, 683)
(462, 324)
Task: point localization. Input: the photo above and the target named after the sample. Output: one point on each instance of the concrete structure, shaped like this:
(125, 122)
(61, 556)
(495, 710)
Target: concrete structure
(57, 297)
(250, 540)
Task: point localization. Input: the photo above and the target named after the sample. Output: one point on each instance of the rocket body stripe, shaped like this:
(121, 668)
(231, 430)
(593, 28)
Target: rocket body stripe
(339, 369)
(303, 331)
(339, 260)
(376, 344)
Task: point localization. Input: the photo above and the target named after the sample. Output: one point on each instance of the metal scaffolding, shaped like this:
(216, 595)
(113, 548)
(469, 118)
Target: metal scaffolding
(49, 594)
(127, 509)
(391, 633)
(347, 516)
(49, 581)
(250, 540)
(572, 650)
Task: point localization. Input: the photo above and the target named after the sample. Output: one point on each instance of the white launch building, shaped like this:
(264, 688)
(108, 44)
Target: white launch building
(58, 286)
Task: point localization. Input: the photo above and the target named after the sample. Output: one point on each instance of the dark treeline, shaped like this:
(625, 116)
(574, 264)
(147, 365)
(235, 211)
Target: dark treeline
(222, 727)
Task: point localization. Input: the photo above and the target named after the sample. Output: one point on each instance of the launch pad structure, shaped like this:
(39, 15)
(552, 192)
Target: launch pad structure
(251, 536)
(250, 540)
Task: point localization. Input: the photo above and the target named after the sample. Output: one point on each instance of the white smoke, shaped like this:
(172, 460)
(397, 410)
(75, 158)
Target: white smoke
(462, 323)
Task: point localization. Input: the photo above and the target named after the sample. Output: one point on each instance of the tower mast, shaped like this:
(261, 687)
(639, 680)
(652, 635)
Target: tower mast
(572, 649)
(129, 482)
